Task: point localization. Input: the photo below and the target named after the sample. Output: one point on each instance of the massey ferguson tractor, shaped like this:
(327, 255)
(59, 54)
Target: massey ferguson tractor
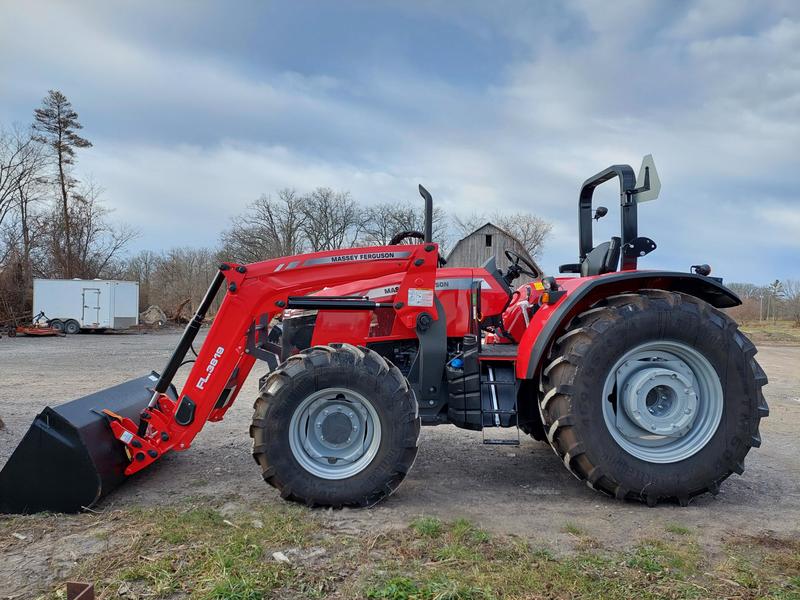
(641, 385)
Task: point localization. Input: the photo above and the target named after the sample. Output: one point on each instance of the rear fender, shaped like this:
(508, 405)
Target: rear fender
(582, 292)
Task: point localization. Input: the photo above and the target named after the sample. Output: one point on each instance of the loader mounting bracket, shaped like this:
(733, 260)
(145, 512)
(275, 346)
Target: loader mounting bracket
(428, 366)
(259, 346)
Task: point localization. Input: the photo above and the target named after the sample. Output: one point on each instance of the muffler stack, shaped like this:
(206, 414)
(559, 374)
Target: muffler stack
(69, 459)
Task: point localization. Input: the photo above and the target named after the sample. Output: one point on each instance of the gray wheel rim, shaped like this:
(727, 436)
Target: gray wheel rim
(662, 401)
(335, 433)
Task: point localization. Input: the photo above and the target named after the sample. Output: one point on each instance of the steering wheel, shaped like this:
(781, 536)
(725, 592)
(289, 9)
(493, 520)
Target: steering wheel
(417, 235)
(405, 235)
(527, 267)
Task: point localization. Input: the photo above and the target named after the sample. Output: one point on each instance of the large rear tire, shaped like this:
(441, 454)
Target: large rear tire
(335, 426)
(653, 396)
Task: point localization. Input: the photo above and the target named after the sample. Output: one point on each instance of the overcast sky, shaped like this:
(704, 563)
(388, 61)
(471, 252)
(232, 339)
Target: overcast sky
(197, 108)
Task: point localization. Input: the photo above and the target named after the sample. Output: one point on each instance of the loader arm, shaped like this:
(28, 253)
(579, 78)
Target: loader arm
(255, 294)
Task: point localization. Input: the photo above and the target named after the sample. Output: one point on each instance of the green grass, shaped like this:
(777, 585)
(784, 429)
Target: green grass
(453, 564)
(677, 529)
(194, 553)
(427, 526)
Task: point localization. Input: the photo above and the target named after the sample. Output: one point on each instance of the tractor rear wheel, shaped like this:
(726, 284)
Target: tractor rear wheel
(335, 426)
(653, 396)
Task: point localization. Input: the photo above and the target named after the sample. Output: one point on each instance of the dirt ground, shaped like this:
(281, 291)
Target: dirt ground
(521, 490)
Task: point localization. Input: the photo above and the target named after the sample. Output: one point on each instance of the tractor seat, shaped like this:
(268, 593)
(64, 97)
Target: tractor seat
(603, 258)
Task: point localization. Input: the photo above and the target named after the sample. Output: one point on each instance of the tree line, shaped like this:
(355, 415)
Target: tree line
(778, 301)
(53, 224)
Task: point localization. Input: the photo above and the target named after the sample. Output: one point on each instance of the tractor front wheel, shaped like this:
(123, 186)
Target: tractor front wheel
(653, 396)
(335, 426)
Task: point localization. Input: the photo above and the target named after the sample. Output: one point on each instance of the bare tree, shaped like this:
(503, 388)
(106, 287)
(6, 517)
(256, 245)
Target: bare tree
(267, 229)
(791, 299)
(142, 268)
(96, 242)
(466, 224)
(56, 125)
(747, 290)
(331, 219)
(181, 278)
(381, 222)
(21, 164)
(529, 229)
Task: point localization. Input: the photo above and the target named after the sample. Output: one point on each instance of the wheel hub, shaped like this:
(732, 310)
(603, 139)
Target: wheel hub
(334, 433)
(663, 401)
(337, 426)
(660, 400)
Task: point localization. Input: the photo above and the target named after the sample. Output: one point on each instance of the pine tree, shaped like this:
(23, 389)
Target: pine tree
(56, 124)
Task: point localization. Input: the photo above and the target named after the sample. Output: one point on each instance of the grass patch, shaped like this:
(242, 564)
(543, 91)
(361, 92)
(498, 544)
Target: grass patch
(404, 588)
(201, 554)
(572, 528)
(427, 526)
(198, 554)
(677, 529)
(454, 565)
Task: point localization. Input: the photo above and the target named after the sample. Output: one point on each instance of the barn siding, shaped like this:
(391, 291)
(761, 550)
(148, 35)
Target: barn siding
(472, 251)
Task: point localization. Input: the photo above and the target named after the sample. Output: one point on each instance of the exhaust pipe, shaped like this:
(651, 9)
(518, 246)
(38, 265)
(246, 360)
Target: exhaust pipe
(69, 459)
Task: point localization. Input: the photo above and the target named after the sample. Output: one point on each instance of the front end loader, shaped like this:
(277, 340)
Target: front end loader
(643, 387)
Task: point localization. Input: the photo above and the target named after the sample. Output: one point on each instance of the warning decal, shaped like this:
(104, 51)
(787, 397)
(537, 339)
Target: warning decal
(420, 297)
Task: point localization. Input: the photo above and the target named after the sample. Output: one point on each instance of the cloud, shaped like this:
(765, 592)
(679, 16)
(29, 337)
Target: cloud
(505, 107)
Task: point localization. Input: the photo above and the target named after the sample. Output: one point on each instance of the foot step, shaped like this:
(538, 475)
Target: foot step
(491, 442)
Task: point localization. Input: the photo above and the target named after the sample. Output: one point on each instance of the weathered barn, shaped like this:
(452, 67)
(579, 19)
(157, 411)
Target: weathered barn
(488, 240)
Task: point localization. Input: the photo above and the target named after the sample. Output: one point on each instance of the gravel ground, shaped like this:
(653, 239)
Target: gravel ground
(522, 490)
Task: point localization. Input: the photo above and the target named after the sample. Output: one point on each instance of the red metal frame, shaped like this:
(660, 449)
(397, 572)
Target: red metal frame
(403, 279)
(260, 291)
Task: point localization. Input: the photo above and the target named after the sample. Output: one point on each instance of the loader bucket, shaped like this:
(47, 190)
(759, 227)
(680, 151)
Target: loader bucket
(69, 458)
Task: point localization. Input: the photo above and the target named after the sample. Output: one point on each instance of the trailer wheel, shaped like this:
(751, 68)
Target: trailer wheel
(72, 327)
(57, 324)
(653, 396)
(335, 426)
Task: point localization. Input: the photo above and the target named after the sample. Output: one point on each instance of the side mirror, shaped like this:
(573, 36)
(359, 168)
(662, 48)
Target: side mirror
(648, 185)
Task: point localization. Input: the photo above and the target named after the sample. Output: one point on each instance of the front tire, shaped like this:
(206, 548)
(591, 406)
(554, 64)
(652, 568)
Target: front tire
(335, 426)
(653, 396)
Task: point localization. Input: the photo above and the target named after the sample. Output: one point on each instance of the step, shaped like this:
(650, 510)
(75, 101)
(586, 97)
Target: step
(495, 442)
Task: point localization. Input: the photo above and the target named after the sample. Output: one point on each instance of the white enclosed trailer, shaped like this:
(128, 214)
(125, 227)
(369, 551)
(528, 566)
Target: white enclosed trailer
(75, 304)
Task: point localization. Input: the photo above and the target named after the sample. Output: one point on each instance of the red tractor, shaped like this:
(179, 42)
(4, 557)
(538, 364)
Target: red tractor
(642, 386)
